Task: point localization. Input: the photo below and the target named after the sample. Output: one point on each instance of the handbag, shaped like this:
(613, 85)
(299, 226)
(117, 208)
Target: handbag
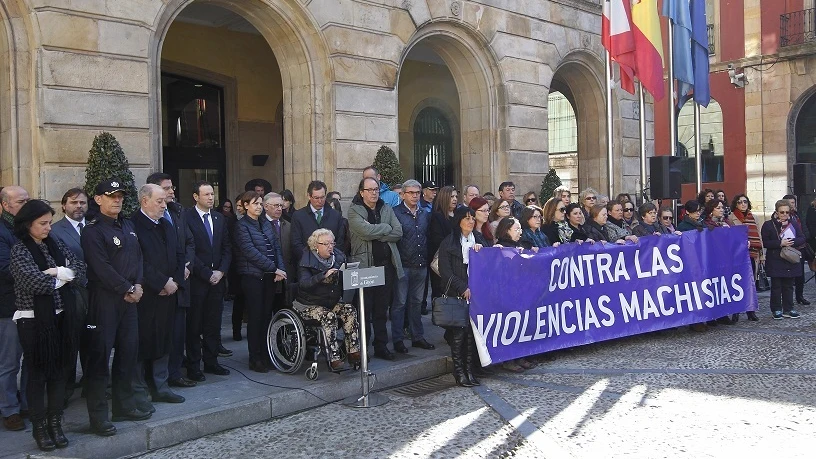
(762, 282)
(791, 255)
(450, 311)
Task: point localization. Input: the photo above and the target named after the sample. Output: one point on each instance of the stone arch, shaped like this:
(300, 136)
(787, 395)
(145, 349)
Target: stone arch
(579, 77)
(15, 107)
(479, 84)
(793, 116)
(306, 75)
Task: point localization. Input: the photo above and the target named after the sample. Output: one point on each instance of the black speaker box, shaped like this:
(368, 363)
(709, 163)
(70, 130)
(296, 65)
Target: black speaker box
(804, 179)
(666, 177)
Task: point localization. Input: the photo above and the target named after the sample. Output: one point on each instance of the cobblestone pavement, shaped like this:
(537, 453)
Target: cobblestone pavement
(745, 390)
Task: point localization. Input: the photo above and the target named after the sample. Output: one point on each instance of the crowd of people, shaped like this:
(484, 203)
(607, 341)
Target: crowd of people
(70, 289)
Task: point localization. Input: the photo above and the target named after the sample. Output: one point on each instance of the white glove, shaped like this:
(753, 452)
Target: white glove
(65, 274)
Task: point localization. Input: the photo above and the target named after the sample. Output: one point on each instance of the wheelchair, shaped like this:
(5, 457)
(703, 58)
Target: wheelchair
(291, 339)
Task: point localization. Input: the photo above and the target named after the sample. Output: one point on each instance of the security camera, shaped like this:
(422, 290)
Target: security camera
(737, 79)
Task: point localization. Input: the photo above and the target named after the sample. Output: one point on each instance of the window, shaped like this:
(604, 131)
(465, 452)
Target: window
(561, 125)
(711, 128)
(433, 147)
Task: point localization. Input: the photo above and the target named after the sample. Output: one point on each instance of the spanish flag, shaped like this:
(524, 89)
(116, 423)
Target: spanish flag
(648, 46)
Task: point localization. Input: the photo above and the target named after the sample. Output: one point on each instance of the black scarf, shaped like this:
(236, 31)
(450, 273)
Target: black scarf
(615, 221)
(54, 346)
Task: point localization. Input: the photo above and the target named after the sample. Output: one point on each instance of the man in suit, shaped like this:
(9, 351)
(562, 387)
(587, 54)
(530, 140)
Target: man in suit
(311, 217)
(163, 263)
(68, 230)
(173, 214)
(213, 255)
(273, 209)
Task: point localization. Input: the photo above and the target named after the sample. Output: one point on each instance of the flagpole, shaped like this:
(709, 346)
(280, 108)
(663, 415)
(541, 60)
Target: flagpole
(642, 111)
(672, 102)
(698, 148)
(609, 158)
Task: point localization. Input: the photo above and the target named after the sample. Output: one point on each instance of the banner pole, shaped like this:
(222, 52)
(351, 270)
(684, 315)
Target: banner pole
(672, 110)
(642, 111)
(698, 149)
(609, 141)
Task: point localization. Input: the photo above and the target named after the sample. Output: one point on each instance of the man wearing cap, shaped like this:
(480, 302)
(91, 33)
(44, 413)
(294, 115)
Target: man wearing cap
(429, 190)
(115, 270)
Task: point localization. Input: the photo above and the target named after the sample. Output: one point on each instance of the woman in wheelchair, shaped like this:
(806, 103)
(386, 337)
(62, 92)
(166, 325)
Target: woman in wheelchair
(319, 295)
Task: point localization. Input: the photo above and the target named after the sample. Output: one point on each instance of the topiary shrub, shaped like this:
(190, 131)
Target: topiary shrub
(107, 160)
(548, 185)
(388, 165)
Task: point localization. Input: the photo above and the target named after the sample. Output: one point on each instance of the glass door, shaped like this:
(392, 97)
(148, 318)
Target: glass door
(193, 136)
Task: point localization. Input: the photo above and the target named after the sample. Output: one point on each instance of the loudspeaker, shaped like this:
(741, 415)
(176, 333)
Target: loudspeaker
(259, 160)
(665, 177)
(804, 179)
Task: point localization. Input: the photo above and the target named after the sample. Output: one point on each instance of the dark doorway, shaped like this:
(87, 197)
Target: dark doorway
(433, 147)
(193, 137)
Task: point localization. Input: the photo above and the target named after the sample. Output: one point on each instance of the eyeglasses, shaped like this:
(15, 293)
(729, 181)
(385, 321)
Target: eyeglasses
(412, 193)
(504, 207)
(562, 209)
(483, 210)
(372, 190)
(589, 198)
(277, 206)
(327, 244)
(628, 209)
(530, 200)
(783, 212)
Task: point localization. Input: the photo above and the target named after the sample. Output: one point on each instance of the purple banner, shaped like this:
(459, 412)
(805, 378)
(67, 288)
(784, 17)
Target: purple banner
(525, 303)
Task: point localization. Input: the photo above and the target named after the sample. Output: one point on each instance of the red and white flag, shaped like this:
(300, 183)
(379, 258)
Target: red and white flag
(617, 37)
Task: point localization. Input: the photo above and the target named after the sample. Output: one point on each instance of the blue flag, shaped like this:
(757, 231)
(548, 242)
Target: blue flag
(699, 54)
(679, 14)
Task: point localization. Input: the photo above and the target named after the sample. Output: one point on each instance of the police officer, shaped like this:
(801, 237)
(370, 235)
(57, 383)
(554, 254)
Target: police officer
(114, 261)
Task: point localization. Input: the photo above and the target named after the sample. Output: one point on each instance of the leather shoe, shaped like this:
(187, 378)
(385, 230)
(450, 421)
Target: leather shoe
(133, 415)
(424, 344)
(399, 346)
(146, 407)
(168, 397)
(216, 370)
(803, 301)
(236, 335)
(258, 367)
(196, 375)
(224, 352)
(181, 382)
(103, 428)
(384, 354)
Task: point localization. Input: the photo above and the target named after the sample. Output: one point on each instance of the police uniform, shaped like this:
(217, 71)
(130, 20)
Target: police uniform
(114, 261)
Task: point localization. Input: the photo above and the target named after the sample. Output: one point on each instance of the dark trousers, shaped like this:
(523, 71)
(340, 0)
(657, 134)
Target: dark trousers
(377, 303)
(259, 295)
(40, 387)
(112, 322)
(782, 293)
(150, 379)
(799, 283)
(177, 343)
(204, 323)
(81, 312)
(237, 312)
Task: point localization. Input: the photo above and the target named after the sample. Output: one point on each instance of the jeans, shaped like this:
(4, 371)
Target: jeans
(10, 354)
(782, 294)
(410, 290)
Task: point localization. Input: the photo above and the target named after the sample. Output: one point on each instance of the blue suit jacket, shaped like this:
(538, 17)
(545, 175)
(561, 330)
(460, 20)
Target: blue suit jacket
(65, 232)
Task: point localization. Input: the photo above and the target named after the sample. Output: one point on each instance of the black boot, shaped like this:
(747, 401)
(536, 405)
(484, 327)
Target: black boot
(457, 337)
(752, 316)
(55, 430)
(734, 318)
(44, 441)
(471, 361)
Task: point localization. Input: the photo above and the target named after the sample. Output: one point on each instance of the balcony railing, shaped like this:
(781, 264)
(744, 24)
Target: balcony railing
(797, 27)
(711, 47)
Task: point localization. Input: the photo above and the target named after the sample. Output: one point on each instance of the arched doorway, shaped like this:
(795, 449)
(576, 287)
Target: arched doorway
(578, 79)
(293, 70)
(448, 68)
(433, 147)
(805, 132)
(562, 133)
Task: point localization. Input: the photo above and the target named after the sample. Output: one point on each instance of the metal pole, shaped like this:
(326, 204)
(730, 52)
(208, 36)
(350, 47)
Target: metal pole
(672, 117)
(642, 111)
(698, 148)
(609, 154)
(367, 400)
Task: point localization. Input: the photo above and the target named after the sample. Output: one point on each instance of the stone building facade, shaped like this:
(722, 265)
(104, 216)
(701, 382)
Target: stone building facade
(303, 89)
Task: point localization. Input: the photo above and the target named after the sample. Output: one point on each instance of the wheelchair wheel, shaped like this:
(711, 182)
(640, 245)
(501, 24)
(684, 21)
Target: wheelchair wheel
(311, 372)
(286, 341)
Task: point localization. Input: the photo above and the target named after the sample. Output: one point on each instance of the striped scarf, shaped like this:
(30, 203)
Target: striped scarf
(755, 241)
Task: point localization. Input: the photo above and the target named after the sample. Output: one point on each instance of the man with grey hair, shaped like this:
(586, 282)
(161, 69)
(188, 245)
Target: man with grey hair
(413, 248)
(12, 198)
(470, 192)
(163, 259)
(273, 210)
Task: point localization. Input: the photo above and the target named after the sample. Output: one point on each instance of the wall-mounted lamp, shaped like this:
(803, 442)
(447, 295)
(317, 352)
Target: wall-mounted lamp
(259, 160)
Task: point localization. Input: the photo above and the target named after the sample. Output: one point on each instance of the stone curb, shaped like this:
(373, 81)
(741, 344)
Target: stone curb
(148, 436)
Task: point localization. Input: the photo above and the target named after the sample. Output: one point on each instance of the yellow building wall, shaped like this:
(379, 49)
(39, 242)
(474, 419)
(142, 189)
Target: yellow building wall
(243, 56)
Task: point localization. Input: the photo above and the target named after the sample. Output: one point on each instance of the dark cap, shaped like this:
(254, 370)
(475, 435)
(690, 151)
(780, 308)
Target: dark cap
(430, 184)
(108, 187)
